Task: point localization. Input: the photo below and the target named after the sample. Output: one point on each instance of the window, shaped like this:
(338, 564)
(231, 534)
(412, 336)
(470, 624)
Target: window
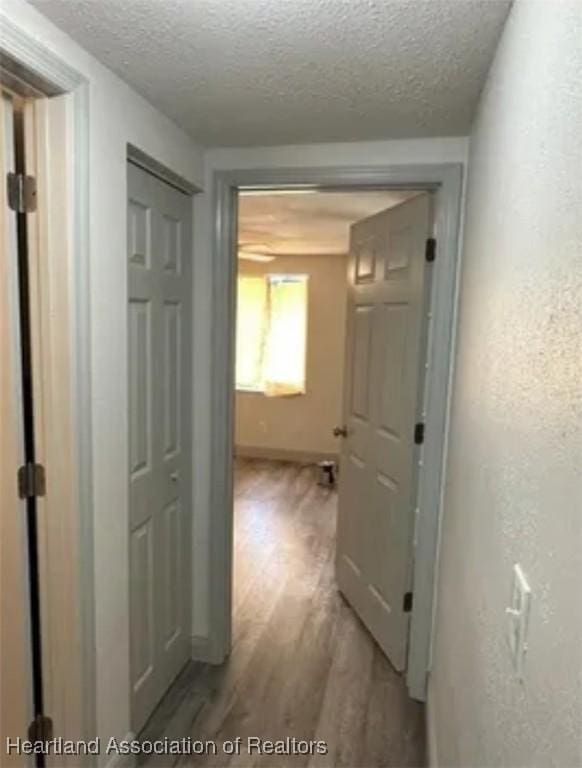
(271, 334)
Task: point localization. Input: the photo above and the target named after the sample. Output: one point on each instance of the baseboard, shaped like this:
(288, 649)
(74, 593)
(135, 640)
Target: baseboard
(283, 454)
(123, 761)
(431, 730)
(201, 649)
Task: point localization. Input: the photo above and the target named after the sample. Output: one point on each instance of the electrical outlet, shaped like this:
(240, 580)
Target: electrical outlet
(518, 619)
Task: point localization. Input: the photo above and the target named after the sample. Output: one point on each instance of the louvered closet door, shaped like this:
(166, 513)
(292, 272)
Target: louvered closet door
(159, 367)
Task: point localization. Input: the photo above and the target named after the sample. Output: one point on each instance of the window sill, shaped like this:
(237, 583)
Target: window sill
(253, 391)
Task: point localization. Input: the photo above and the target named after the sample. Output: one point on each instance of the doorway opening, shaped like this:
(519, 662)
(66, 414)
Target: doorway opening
(22, 570)
(441, 185)
(329, 369)
(48, 675)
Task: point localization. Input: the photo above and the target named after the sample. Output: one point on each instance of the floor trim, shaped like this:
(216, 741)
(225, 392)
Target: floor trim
(283, 454)
(201, 649)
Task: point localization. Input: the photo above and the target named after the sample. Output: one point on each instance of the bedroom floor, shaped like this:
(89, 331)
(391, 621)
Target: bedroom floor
(302, 664)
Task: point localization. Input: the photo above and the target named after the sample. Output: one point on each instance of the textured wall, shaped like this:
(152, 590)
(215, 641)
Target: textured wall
(304, 423)
(514, 484)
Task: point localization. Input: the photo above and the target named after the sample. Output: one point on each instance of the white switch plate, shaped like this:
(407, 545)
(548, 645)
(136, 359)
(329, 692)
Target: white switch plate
(518, 619)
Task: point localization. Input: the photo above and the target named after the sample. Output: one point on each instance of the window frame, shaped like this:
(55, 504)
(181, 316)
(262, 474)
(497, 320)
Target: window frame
(256, 388)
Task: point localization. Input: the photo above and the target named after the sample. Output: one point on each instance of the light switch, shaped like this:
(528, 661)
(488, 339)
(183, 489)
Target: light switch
(518, 619)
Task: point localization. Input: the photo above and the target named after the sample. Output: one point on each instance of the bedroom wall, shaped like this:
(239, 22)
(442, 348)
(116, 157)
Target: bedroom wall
(514, 486)
(300, 427)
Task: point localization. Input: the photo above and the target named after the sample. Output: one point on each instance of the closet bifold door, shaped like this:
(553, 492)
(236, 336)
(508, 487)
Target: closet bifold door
(159, 247)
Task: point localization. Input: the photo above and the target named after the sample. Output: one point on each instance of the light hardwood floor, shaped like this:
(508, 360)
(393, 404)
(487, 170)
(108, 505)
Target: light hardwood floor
(302, 664)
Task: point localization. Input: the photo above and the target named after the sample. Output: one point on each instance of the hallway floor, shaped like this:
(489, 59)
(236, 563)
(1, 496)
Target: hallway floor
(302, 664)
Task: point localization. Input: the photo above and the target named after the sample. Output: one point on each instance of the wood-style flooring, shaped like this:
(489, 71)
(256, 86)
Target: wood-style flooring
(302, 664)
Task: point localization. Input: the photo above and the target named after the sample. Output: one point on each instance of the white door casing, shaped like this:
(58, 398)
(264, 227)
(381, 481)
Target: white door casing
(159, 237)
(377, 490)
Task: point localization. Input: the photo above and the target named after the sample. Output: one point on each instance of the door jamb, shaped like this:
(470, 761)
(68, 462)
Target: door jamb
(446, 181)
(32, 69)
(138, 157)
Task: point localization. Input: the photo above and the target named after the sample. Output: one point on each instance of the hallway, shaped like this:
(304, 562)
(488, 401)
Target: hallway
(302, 665)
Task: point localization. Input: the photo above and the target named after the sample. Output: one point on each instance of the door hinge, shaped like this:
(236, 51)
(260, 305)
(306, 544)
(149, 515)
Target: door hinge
(31, 481)
(40, 729)
(407, 602)
(430, 249)
(419, 433)
(21, 192)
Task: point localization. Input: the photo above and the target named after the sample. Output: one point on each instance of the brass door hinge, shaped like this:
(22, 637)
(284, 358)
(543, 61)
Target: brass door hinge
(430, 249)
(40, 729)
(21, 192)
(31, 481)
(407, 602)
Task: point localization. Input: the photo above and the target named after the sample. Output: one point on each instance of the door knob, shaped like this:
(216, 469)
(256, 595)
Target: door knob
(340, 431)
(174, 477)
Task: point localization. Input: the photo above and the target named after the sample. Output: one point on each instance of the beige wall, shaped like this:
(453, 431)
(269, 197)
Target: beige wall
(302, 424)
(514, 488)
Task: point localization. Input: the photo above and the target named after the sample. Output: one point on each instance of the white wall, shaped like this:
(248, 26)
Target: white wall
(417, 151)
(514, 482)
(117, 116)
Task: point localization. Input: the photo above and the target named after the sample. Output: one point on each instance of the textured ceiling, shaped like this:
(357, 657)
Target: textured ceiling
(254, 72)
(307, 224)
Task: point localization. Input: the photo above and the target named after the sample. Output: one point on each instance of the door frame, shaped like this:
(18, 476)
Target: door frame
(16, 663)
(66, 523)
(446, 181)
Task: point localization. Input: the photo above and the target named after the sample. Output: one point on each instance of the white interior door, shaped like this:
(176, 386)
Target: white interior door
(15, 659)
(377, 490)
(159, 322)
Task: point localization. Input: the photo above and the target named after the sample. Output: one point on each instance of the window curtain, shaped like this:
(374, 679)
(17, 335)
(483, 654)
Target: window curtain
(271, 334)
(285, 347)
(251, 329)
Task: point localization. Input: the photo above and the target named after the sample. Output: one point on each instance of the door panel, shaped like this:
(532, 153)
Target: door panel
(159, 281)
(172, 371)
(171, 538)
(377, 493)
(361, 368)
(140, 347)
(142, 617)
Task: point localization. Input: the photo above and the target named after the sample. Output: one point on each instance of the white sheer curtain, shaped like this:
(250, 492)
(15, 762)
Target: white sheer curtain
(272, 334)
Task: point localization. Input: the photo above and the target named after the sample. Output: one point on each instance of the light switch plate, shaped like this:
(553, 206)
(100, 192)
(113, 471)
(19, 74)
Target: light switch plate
(518, 619)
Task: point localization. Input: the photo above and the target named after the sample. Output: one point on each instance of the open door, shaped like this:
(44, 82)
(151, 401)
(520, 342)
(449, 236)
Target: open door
(16, 706)
(377, 489)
